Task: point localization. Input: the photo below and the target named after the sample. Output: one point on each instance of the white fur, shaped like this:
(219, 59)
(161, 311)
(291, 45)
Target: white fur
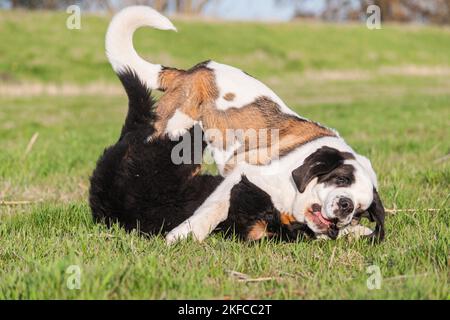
(367, 165)
(119, 41)
(360, 192)
(179, 124)
(278, 184)
(214, 138)
(221, 156)
(245, 88)
(276, 179)
(206, 218)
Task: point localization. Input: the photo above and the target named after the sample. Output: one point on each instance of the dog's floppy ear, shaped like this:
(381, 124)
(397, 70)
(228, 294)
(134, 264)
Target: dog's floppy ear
(322, 161)
(376, 214)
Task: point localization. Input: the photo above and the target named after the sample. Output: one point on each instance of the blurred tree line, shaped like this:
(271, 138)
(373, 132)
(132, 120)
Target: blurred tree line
(425, 11)
(178, 6)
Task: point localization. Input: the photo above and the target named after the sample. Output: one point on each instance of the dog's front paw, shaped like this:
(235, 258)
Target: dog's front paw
(176, 133)
(179, 233)
(190, 226)
(179, 124)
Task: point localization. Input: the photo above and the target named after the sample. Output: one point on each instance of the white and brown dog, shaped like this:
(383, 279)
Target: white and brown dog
(307, 169)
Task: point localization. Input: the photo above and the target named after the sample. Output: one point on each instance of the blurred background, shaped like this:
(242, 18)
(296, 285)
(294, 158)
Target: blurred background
(419, 11)
(319, 56)
(387, 92)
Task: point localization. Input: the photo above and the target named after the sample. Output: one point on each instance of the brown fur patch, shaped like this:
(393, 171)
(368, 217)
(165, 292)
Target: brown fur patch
(194, 93)
(196, 171)
(257, 231)
(266, 114)
(185, 91)
(229, 96)
(287, 218)
(167, 76)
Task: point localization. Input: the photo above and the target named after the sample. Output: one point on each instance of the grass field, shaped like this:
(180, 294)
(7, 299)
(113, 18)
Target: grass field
(386, 91)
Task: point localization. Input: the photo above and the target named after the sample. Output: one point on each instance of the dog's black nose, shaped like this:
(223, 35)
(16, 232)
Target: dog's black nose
(345, 206)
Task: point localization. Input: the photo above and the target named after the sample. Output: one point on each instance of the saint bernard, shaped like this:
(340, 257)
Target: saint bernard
(307, 169)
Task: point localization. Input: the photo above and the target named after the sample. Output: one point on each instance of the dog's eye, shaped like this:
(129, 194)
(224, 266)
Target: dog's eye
(342, 181)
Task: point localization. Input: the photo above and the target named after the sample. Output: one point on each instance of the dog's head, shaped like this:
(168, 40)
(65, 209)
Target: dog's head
(335, 187)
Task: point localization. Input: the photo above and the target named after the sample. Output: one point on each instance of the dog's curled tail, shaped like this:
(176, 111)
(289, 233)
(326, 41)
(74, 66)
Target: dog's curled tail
(119, 42)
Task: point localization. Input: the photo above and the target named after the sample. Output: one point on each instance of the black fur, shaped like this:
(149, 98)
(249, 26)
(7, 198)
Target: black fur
(137, 185)
(135, 182)
(327, 164)
(249, 204)
(375, 213)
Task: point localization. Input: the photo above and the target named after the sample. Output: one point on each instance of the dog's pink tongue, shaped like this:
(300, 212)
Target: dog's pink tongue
(319, 215)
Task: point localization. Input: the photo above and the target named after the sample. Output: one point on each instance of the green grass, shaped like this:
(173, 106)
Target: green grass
(400, 119)
(44, 50)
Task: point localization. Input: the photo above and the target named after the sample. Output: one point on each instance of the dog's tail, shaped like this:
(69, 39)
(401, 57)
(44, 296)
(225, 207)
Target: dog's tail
(119, 42)
(141, 113)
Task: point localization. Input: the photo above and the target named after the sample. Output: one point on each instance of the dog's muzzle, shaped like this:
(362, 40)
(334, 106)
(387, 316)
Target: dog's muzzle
(340, 207)
(345, 207)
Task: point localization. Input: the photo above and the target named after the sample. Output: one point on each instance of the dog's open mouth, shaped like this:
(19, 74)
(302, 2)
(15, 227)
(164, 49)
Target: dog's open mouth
(315, 215)
(325, 226)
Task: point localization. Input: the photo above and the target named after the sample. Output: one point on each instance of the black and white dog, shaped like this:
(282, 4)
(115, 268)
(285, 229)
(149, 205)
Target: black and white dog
(315, 177)
(137, 185)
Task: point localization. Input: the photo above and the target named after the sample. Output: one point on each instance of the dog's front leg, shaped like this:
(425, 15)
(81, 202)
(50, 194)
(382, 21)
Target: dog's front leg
(206, 218)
